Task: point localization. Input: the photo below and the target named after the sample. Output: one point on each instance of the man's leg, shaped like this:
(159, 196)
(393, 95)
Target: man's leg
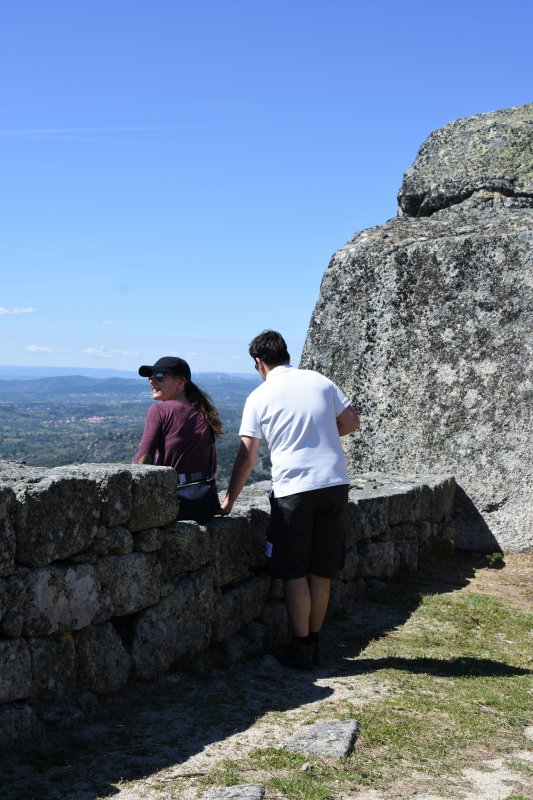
(299, 653)
(307, 602)
(319, 589)
(298, 603)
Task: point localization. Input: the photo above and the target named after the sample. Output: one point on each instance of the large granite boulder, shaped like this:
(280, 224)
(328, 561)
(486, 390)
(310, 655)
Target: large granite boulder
(425, 322)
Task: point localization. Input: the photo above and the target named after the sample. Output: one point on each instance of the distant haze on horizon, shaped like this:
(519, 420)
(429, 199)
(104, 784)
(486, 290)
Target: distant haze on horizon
(18, 371)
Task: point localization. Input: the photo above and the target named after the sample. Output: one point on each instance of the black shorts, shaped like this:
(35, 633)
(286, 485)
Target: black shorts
(305, 533)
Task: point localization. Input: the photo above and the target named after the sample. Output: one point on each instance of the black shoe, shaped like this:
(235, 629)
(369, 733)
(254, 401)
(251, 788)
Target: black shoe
(298, 655)
(315, 644)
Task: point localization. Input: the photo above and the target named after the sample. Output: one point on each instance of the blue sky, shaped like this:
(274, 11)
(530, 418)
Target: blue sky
(175, 177)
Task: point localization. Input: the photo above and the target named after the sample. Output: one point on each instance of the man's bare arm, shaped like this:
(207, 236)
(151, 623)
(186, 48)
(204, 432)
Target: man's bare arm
(244, 462)
(348, 421)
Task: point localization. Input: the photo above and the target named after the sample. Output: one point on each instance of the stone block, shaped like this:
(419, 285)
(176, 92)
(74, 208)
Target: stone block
(401, 504)
(446, 530)
(376, 559)
(53, 668)
(132, 582)
(424, 496)
(236, 550)
(104, 663)
(239, 605)
(149, 541)
(116, 541)
(113, 483)
(15, 670)
(251, 640)
(423, 531)
(64, 717)
(186, 547)
(257, 519)
(11, 592)
(254, 593)
(55, 599)
(180, 623)
(373, 511)
(404, 531)
(227, 616)
(342, 596)
(154, 499)
(56, 518)
(16, 472)
(7, 530)
(406, 555)
(349, 569)
(274, 616)
(353, 523)
(18, 723)
(276, 589)
(443, 499)
(3, 597)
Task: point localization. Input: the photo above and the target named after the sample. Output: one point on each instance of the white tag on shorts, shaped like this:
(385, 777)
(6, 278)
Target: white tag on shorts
(269, 550)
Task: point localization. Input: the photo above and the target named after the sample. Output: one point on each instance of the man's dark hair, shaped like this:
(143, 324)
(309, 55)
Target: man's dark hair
(270, 347)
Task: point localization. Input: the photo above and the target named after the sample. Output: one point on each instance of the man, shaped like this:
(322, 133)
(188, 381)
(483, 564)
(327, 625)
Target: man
(301, 414)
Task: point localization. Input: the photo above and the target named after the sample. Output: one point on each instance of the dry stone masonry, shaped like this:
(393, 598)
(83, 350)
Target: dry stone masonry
(426, 323)
(99, 584)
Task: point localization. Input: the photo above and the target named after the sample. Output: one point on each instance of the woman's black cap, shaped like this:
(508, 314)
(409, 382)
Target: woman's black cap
(169, 364)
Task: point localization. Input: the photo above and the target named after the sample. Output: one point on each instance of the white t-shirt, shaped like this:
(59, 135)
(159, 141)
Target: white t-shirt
(296, 411)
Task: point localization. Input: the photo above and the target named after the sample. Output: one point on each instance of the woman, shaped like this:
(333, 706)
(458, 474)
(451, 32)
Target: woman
(180, 432)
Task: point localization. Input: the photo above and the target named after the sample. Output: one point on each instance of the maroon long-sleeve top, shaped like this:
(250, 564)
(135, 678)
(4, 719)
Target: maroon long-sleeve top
(177, 435)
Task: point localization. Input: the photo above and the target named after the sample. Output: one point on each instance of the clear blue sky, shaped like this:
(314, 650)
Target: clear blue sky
(175, 176)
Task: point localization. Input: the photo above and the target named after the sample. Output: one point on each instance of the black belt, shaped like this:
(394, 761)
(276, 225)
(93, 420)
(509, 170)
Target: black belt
(192, 477)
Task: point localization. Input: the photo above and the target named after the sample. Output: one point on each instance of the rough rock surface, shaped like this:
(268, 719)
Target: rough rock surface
(238, 792)
(426, 322)
(489, 151)
(327, 737)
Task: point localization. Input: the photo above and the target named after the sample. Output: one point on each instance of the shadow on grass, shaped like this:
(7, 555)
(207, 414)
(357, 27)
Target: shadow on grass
(389, 606)
(453, 667)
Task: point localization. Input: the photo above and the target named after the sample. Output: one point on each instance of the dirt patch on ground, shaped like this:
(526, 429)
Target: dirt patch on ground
(509, 577)
(512, 581)
(158, 741)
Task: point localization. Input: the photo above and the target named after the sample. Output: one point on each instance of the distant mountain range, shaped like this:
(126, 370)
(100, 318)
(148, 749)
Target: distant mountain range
(7, 372)
(15, 389)
(10, 371)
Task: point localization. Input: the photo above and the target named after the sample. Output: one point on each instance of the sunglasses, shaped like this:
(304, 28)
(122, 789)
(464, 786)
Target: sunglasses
(158, 376)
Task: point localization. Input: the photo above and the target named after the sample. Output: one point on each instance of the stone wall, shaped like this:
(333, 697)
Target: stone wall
(99, 585)
(425, 322)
